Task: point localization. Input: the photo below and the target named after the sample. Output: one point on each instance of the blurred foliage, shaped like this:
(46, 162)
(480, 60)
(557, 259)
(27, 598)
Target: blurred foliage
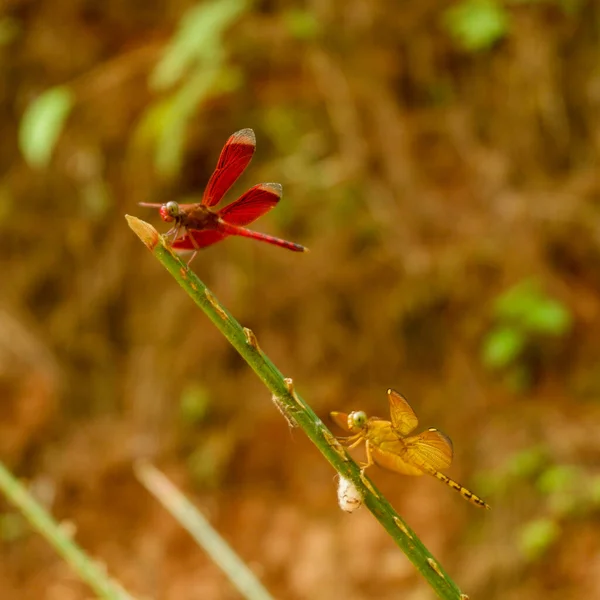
(537, 536)
(562, 493)
(13, 526)
(42, 124)
(195, 403)
(525, 318)
(9, 30)
(302, 24)
(196, 64)
(477, 24)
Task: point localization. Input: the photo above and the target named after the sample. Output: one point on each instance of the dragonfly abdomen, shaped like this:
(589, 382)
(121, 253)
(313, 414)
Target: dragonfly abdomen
(463, 491)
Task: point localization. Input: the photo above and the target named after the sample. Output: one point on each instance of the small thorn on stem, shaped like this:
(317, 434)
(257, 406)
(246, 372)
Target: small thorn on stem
(289, 384)
(368, 484)
(251, 339)
(435, 567)
(215, 304)
(281, 407)
(402, 527)
(334, 443)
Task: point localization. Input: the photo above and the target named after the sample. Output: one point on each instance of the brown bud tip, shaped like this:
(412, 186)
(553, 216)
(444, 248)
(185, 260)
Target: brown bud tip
(144, 231)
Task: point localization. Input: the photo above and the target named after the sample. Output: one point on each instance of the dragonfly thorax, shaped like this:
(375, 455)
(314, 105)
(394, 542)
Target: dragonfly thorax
(357, 420)
(170, 211)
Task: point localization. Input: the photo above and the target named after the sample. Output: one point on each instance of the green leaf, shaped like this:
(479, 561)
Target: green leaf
(528, 462)
(558, 478)
(594, 490)
(165, 123)
(9, 30)
(537, 536)
(198, 40)
(518, 301)
(549, 317)
(476, 24)
(42, 123)
(502, 346)
(12, 527)
(302, 24)
(194, 403)
(528, 305)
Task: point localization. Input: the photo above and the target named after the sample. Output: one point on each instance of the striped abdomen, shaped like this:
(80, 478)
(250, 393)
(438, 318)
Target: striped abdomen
(463, 491)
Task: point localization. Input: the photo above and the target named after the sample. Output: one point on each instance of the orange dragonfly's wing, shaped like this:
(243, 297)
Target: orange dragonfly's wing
(404, 419)
(340, 419)
(234, 158)
(431, 449)
(392, 460)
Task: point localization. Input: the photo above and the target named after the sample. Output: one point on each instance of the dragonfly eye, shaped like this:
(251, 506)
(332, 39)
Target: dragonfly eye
(169, 211)
(357, 420)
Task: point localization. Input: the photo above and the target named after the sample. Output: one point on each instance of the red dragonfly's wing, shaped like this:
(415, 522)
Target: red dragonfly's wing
(202, 239)
(403, 417)
(235, 156)
(253, 204)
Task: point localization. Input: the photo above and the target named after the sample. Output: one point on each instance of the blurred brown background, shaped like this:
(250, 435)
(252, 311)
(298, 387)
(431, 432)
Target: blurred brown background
(439, 159)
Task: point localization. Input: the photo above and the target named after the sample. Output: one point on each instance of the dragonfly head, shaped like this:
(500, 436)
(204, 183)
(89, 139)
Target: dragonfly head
(169, 211)
(357, 420)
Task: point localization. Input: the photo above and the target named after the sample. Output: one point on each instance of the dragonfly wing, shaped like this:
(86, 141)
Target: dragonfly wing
(403, 417)
(393, 461)
(201, 239)
(432, 449)
(235, 156)
(340, 419)
(253, 204)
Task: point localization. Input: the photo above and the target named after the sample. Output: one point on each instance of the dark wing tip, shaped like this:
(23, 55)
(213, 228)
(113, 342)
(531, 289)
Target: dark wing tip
(275, 188)
(444, 436)
(244, 136)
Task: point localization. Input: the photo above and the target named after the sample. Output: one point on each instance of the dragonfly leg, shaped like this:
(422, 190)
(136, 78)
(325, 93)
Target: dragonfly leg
(354, 441)
(370, 461)
(174, 231)
(197, 248)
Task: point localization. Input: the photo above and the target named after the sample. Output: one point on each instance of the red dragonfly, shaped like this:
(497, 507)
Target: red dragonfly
(196, 226)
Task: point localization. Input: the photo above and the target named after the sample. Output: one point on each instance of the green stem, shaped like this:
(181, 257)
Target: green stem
(298, 412)
(88, 570)
(202, 531)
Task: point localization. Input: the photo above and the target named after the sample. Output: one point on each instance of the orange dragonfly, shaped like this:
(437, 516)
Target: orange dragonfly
(388, 444)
